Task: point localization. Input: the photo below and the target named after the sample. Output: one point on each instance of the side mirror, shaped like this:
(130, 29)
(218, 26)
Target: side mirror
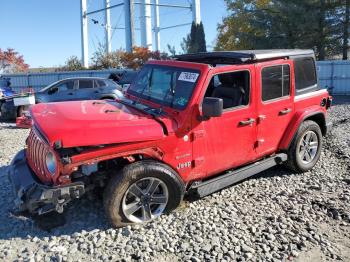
(53, 90)
(212, 107)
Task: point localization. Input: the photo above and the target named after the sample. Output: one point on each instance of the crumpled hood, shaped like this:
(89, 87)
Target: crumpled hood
(87, 123)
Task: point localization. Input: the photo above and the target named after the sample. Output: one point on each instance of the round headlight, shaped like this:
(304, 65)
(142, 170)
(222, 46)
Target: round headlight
(51, 163)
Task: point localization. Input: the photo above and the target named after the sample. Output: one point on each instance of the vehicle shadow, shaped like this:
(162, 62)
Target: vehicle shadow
(85, 214)
(14, 127)
(277, 171)
(8, 125)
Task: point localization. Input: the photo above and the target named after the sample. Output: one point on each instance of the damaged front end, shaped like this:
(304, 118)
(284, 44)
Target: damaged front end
(36, 197)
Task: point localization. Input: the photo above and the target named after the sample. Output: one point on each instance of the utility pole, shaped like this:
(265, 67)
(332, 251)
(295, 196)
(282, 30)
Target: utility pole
(129, 24)
(108, 43)
(156, 28)
(146, 24)
(196, 11)
(84, 34)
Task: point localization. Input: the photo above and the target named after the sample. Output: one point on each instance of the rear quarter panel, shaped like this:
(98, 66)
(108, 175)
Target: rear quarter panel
(306, 105)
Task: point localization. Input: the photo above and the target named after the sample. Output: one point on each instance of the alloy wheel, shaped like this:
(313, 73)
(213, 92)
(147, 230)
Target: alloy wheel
(308, 147)
(145, 200)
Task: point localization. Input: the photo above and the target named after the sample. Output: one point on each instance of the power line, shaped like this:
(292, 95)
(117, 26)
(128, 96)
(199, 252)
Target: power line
(116, 25)
(146, 23)
(96, 22)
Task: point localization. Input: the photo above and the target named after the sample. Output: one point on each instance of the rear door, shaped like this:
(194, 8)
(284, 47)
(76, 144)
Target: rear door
(86, 89)
(275, 104)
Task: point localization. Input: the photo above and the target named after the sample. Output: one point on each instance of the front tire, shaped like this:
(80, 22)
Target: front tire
(305, 149)
(141, 192)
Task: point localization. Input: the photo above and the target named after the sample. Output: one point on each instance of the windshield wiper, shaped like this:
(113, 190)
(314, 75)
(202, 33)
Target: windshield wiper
(172, 90)
(133, 105)
(149, 82)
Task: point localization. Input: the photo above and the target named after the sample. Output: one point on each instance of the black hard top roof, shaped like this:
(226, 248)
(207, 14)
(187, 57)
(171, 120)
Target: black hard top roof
(242, 56)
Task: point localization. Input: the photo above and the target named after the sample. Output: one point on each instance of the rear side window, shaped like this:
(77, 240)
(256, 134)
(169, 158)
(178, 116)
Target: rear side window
(275, 82)
(305, 73)
(100, 83)
(85, 84)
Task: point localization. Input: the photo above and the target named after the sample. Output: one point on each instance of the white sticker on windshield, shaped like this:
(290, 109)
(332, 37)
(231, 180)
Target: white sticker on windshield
(188, 77)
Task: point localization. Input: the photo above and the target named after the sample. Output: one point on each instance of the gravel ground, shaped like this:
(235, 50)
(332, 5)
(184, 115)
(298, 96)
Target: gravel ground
(277, 215)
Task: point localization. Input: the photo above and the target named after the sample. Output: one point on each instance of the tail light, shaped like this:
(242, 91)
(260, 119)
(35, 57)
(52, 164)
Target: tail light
(329, 102)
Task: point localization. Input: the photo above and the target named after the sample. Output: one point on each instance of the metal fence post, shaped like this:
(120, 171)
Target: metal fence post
(332, 74)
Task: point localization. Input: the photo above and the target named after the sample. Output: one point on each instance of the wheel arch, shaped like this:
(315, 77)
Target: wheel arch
(317, 116)
(153, 159)
(19, 110)
(130, 155)
(320, 119)
(103, 97)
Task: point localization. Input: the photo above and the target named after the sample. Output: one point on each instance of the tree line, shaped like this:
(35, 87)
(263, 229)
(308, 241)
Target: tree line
(322, 25)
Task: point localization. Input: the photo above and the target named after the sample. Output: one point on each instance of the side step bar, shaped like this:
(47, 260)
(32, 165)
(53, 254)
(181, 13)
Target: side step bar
(212, 185)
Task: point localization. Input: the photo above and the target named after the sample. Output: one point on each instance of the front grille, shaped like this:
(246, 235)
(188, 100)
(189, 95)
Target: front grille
(36, 152)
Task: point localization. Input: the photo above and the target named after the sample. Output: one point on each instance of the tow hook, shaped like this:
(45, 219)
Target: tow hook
(55, 199)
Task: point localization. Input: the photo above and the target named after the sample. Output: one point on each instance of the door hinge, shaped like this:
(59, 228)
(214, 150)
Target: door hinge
(261, 118)
(259, 142)
(198, 161)
(198, 134)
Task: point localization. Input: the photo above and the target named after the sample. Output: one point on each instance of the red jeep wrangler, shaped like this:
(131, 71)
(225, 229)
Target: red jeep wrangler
(195, 124)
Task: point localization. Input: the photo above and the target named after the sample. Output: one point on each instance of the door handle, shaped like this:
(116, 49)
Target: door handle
(285, 111)
(70, 94)
(96, 92)
(248, 122)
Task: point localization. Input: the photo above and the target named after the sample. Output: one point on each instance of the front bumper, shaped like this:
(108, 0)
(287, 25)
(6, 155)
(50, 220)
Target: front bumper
(35, 197)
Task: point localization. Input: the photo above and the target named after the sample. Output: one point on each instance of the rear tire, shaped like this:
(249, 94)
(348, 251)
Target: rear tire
(20, 111)
(1, 116)
(305, 148)
(107, 98)
(8, 112)
(141, 192)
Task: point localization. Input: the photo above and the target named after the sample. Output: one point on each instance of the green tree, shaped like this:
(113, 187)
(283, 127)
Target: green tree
(238, 30)
(102, 60)
(200, 38)
(262, 24)
(171, 50)
(346, 28)
(195, 42)
(73, 63)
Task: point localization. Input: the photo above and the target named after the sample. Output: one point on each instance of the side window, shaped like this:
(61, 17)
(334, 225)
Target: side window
(275, 82)
(100, 83)
(305, 73)
(233, 88)
(65, 86)
(83, 84)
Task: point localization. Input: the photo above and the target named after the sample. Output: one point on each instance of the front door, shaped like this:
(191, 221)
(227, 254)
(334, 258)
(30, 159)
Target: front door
(64, 91)
(275, 106)
(228, 141)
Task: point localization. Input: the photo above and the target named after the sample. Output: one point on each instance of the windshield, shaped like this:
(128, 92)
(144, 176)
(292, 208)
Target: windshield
(49, 86)
(165, 85)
